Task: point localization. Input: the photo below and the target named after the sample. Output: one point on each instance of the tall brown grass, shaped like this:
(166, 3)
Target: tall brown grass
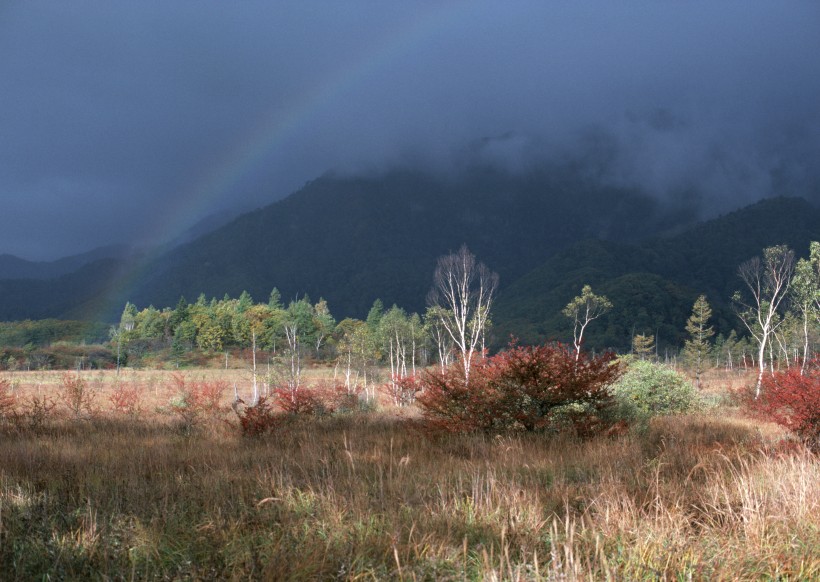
(371, 497)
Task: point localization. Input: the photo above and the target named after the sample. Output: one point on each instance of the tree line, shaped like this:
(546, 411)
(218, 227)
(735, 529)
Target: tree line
(777, 313)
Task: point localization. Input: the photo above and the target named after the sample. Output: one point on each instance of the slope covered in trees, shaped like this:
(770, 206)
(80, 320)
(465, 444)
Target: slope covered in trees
(653, 283)
(12, 267)
(77, 295)
(352, 240)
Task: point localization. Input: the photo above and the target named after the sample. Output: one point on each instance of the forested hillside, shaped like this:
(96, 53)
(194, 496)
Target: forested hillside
(352, 240)
(653, 284)
(82, 294)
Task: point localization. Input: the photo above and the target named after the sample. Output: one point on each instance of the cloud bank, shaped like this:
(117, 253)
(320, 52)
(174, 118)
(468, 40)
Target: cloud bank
(129, 121)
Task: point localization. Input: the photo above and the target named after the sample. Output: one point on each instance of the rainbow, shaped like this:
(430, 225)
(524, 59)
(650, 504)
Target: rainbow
(273, 132)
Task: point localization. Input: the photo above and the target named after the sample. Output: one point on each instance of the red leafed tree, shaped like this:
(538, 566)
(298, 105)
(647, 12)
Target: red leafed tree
(523, 387)
(792, 400)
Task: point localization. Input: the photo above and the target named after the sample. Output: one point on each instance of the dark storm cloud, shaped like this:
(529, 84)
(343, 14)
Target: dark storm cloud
(115, 113)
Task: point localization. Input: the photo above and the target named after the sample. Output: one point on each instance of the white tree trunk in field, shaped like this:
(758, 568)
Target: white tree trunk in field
(464, 292)
(768, 282)
(292, 336)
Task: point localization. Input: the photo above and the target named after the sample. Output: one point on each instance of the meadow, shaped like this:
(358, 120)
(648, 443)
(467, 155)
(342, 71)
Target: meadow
(99, 493)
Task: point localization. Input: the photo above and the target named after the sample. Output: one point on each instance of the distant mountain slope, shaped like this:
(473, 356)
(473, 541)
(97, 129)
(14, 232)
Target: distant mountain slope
(12, 267)
(77, 295)
(653, 283)
(353, 240)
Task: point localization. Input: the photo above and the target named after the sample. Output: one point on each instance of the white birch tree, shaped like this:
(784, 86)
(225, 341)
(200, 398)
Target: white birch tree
(584, 309)
(463, 290)
(768, 283)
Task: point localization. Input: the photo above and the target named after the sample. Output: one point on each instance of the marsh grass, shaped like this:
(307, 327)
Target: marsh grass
(373, 497)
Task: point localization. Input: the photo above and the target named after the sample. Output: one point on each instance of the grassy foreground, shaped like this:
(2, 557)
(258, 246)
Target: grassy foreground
(370, 497)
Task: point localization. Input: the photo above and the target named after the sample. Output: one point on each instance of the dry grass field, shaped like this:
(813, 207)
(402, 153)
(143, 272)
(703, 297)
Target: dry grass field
(94, 494)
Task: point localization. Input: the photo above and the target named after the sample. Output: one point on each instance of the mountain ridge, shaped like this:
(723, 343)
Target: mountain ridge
(701, 260)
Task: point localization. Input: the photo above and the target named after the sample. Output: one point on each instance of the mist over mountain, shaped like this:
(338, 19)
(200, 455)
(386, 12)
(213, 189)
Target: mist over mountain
(129, 122)
(545, 230)
(354, 239)
(12, 267)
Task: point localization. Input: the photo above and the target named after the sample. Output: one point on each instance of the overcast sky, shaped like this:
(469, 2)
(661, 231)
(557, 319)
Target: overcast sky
(126, 121)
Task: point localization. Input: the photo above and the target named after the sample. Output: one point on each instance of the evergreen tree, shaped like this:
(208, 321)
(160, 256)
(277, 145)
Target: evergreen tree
(275, 300)
(643, 346)
(179, 314)
(696, 349)
(245, 302)
(374, 316)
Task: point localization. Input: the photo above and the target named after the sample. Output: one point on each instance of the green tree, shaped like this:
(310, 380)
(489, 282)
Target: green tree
(180, 313)
(583, 309)
(697, 347)
(643, 346)
(275, 299)
(805, 294)
(323, 324)
(375, 314)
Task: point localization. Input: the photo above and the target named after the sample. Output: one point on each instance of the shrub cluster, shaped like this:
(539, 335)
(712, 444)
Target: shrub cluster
(525, 387)
(648, 389)
(78, 396)
(257, 419)
(196, 401)
(792, 400)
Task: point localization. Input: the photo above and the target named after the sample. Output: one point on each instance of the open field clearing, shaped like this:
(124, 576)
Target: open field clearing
(372, 495)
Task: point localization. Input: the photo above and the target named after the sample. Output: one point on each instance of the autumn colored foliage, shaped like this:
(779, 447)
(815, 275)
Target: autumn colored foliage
(258, 419)
(792, 400)
(126, 399)
(7, 399)
(524, 387)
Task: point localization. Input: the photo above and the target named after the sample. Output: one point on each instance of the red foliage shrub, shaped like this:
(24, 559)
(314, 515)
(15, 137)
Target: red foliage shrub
(304, 401)
(196, 400)
(450, 403)
(529, 387)
(792, 400)
(8, 400)
(77, 394)
(126, 399)
(209, 395)
(258, 419)
(402, 391)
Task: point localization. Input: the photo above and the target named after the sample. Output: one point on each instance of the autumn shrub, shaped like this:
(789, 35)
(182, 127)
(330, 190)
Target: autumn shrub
(402, 391)
(35, 412)
(77, 395)
(792, 400)
(257, 419)
(524, 387)
(451, 403)
(304, 401)
(126, 399)
(8, 400)
(338, 399)
(647, 389)
(195, 401)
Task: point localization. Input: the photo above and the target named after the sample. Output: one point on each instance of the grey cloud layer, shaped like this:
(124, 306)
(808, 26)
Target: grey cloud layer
(112, 111)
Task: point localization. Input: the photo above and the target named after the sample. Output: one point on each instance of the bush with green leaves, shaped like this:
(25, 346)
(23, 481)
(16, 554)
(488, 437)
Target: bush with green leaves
(648, 389)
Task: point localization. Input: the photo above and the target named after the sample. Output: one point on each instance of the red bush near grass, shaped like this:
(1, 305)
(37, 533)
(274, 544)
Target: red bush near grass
(78, 396)
(318, 400)
(8, 401)
(792, 400)
(258, 419)
(529, 387)
(126, 399)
